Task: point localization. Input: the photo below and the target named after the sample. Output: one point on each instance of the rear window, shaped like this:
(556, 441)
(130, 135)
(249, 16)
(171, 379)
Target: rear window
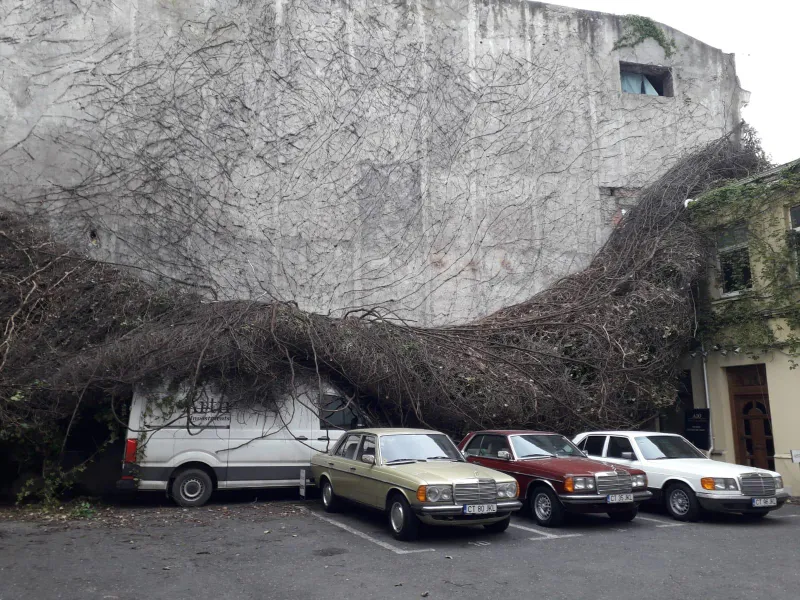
(594, 445)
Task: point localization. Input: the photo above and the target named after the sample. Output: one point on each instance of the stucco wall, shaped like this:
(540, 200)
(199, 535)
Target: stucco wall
(443, 158)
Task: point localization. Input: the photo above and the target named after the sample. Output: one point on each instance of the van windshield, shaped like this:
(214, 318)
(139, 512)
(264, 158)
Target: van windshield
(418, 447)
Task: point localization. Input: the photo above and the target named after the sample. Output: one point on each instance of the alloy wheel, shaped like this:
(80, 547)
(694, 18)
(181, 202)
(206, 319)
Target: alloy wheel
(543, 507)
(397, 516)
(679, 502)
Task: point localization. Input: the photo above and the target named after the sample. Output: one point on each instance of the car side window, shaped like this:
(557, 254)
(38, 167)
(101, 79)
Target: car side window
(349, 447)
(474, 446)
(492, 444)
(617, 445)
(367, 446)
(582, 444)
(594, 445)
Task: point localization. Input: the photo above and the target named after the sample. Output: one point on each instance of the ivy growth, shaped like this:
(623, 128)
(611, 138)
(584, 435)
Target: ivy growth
(638, 29)
(766, 315)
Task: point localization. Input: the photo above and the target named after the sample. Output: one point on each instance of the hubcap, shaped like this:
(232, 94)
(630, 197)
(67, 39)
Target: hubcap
(542, 507)
(397, 516)
(327, 493)
(679, 502)
(192, 489)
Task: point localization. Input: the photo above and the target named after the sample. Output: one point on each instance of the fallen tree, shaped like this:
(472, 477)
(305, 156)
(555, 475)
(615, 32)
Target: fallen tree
(598, 349)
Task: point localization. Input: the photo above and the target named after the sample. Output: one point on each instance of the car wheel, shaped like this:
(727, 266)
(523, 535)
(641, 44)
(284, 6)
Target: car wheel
(402, 520)
(500, 526)
(329, 500)
(681, 503)
(546, 508)
(624, 516)
(191, 487)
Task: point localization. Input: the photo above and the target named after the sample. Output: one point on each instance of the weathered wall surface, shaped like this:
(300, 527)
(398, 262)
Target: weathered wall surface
(442, 158)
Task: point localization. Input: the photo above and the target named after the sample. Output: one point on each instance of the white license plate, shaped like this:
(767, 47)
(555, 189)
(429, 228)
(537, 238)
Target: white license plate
(758, 502)
(618, 498)
(479, 509)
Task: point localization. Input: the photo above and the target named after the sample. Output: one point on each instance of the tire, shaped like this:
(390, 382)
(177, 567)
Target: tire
(402, 520)
(191, 487)
(624, 516)
(681, 502)
(500, 526)
(545, 507)
(329, 500)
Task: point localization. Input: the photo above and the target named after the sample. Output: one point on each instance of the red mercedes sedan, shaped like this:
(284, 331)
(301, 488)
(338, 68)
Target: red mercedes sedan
(555, 477)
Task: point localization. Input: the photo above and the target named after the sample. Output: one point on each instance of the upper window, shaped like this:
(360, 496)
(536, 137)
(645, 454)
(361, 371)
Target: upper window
(337, 412)
(617, 445)
(594, 445)
(734, 259)
(794, 216)
(648, 80)
(794, 235)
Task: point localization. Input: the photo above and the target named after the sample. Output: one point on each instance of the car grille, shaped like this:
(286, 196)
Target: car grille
(475, 492)
(614, 483)
(756, 484)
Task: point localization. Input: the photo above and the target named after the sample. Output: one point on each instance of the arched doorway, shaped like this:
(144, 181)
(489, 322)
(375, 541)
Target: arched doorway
(752, 424)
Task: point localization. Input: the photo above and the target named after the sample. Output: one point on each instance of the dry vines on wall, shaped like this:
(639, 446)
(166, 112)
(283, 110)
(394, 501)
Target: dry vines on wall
(597, 349)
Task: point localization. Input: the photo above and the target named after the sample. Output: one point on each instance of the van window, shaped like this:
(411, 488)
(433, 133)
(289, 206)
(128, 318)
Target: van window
(336, 412)
(594, 445)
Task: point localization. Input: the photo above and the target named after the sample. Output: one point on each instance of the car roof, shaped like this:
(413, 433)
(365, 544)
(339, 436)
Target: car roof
(629, 433)
(513, 432)
(392, 430)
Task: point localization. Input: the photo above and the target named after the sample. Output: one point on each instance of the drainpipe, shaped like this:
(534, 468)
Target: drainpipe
(708, 400)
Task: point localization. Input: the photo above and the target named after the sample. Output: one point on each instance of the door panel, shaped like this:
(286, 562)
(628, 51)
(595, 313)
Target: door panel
(365, 488)
(343, 478)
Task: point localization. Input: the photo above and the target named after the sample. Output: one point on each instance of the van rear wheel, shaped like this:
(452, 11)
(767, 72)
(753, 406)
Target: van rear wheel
(191, 487)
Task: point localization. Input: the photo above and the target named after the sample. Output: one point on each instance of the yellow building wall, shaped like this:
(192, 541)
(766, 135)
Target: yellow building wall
(783, 384)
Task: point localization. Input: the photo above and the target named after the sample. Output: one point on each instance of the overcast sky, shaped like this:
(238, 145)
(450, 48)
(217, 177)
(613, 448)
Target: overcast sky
(764, 36)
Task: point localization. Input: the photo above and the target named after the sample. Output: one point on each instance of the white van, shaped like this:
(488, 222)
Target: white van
(190, 453)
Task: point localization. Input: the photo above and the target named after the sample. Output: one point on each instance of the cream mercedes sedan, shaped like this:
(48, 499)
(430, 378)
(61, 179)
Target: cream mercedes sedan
(414, 476)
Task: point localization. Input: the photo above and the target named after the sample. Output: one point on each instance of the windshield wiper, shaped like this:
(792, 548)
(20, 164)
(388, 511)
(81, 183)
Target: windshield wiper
(440, 458)
(404, 460)
(538, 456)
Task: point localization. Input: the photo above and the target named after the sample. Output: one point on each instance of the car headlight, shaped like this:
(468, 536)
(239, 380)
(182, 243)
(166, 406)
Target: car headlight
(719, 483)
(778, 483)
(507, 490)
(579, 484)
(435, 493)
(639, 481)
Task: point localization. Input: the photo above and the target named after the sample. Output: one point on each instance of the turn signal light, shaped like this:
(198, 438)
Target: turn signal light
(707, 483)
(569, 484)
(422, 493)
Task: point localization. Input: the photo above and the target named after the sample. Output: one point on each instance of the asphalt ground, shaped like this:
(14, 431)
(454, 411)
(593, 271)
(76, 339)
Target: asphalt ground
(276, 549)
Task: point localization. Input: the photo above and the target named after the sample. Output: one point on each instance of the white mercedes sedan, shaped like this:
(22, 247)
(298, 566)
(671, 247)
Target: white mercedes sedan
(683, 478)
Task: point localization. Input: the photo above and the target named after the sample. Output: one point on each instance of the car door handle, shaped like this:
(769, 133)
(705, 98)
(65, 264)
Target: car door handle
(302, 438)
(352, 468)
(324, 439)
(330, 464)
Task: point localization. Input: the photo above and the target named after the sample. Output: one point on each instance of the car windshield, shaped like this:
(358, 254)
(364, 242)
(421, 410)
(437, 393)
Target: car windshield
(418, 447)
(659, 447)
(535, 445)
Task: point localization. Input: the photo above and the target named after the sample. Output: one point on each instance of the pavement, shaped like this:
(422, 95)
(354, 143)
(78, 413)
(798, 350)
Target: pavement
(276, 548)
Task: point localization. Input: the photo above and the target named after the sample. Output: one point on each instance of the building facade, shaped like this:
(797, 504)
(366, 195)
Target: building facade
(747, 368)
(439, 158)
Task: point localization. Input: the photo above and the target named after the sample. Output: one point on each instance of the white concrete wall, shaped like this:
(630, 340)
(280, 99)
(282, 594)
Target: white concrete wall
(442, 158)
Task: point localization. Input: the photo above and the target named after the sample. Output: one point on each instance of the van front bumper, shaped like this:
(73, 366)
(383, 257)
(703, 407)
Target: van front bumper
(729, 503)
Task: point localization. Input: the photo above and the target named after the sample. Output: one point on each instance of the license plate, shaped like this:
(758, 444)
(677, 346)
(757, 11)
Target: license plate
(619, 498)
(479, 509)
(757, 502)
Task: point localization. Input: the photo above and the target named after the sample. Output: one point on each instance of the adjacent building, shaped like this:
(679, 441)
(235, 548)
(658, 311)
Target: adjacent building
(747, 371)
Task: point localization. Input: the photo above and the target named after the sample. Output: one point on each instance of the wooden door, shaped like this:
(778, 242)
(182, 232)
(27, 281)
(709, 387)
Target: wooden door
(752, 424)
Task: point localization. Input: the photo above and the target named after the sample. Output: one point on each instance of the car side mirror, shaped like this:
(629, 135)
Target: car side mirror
(368, 458)
(504, 455)
(628, 456)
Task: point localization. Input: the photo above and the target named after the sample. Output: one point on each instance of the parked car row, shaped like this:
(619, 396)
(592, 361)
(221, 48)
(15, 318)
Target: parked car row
(420, 476)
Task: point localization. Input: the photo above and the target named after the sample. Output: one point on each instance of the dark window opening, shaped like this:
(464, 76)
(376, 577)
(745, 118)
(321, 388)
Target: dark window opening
(794, 215)
(617, 445)
(337, 413)
(734, 259)
(594, 445)
(648, 80)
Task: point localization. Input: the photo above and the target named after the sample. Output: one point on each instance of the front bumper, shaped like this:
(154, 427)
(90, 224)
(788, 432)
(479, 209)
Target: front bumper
(600, 499)
(729, 503)
(454, 510)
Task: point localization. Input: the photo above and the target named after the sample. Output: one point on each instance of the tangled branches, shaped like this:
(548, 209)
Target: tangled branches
(597, 349)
